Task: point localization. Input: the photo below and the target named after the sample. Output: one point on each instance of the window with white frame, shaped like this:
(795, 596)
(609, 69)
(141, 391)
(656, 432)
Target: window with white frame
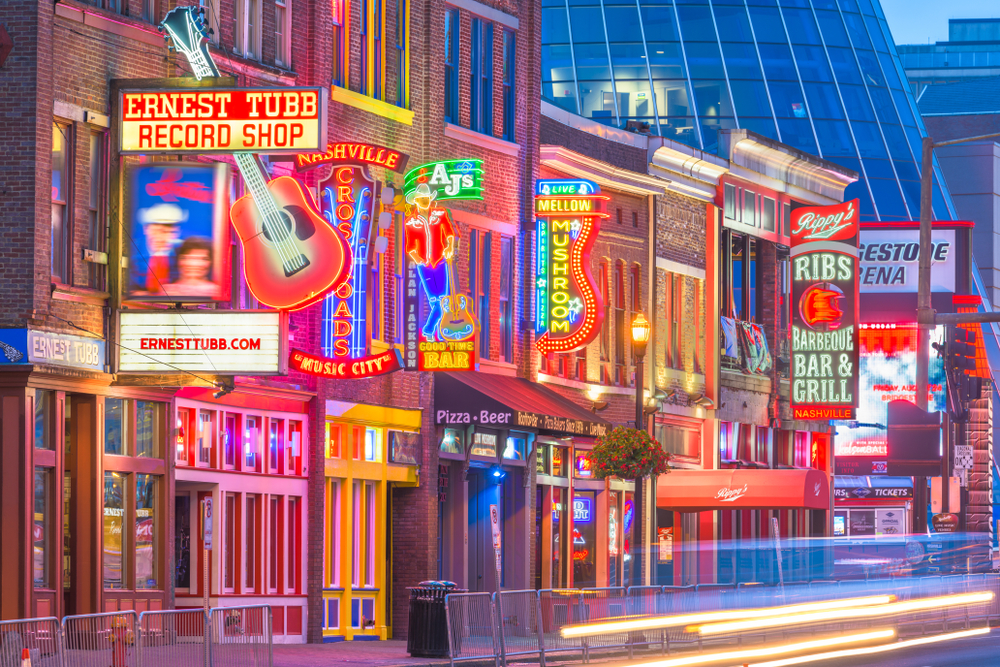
(282, 34)
(211, 18)
(248, 28)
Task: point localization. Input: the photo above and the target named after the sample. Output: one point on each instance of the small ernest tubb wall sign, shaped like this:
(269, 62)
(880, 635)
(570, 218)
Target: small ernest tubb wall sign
(824, 349)
(570, 308)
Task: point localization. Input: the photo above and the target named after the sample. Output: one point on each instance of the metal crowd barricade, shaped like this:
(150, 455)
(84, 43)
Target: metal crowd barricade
(240, 636)
(41, 636)
(601, 604)
(645, 602)
(174, 638)
(521, 624)
(557, 608)
(472, 627)
(101, 640)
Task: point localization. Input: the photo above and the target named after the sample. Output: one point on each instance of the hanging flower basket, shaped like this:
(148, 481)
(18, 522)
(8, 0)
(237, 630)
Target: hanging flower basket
(628, 453)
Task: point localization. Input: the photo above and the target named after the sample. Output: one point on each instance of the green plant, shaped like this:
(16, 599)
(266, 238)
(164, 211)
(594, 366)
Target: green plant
(628, 453)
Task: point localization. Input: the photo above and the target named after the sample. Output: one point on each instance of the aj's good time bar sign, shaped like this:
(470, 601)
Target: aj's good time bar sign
(224, 341)
(570, 307)
(223, 120)
(824, 349)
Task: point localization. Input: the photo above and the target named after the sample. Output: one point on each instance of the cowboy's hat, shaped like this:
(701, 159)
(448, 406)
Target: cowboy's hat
(162, 214)
(422, 190)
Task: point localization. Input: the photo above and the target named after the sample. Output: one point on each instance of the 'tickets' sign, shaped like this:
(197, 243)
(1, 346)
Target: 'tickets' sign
(570, 308)
(223, 120)
(231, 342)
(824, 349)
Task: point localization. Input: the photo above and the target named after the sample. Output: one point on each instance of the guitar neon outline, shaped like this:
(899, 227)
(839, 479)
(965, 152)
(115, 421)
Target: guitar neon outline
(264, 225)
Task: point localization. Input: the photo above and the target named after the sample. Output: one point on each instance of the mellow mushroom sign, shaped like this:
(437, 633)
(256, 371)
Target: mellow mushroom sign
(824, 349)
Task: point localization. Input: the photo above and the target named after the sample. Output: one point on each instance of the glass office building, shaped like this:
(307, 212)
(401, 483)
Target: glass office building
(820, 75)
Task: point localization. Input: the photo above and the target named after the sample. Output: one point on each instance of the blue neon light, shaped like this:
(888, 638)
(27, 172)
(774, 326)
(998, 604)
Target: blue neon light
(583, 510)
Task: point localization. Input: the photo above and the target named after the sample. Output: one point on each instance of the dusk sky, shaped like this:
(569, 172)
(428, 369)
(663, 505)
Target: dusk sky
(923, 21)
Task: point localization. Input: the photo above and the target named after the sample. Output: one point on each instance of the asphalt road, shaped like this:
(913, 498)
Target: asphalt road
(983, 651)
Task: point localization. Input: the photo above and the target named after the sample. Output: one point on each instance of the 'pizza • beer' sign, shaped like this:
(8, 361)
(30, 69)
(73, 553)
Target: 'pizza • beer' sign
(824, 350)
(223, 120)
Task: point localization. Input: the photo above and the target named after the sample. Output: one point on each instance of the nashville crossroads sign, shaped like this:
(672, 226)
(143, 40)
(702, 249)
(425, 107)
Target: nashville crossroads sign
(223, 120)
(824, 259)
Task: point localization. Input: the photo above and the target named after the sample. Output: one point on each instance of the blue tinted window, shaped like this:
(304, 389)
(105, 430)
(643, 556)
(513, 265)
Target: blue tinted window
(592, 61)
(733, 24)
(798, 132)
(704, 60)
(888, 200)
(890, 71)
(750, 98)
(557, 64)
(849, 5)
(583, 2)
(906, 170)
(823, 101)
(794, 3)
(767, 24)
(696, 23)
(812, 62)
(866, 7)
(903, 107)
(787, 99)
(712, 98)
(913, 138)
(870, 69)
(634, 99)
(665, 60)
(856, 103)
(562, 93)
(845, 68)
(879, 169)
(778, 64)
(763, 126)
(856, 29)
(672, 99)
(896, 140)
(941, 210)
(869, 140)
(741, 61)
(834, 138)
(911, 193)
(875, 32)
(710, 131)
(824, 4)
(629, 62)
(833, 28)
(659, 23)
(555, 29)
(882, 101)
(553, 3)
(597, 101)
(851, 163)
(623, 24)
(859, 190)
(588, 24)
(801, 26)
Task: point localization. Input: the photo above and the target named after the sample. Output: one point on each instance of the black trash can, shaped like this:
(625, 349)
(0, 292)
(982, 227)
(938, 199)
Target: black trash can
(428, 626)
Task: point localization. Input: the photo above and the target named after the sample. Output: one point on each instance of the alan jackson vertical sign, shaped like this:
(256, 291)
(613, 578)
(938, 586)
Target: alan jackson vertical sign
(824, 264)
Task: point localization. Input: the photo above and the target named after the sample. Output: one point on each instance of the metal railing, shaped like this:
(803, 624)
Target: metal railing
(532, 620)
(225, 637)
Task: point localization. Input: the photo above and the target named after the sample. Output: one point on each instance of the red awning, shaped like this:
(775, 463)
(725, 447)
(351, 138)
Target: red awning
(700, 490)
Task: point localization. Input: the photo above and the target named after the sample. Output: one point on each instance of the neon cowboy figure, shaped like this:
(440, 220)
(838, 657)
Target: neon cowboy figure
(430, 243)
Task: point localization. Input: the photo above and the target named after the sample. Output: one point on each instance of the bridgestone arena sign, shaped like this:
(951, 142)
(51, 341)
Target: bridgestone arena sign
(225, 342)
(223, 120)
(824, 350)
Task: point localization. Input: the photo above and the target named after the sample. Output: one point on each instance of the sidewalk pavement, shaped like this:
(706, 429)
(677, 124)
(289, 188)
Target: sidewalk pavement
(392, 653)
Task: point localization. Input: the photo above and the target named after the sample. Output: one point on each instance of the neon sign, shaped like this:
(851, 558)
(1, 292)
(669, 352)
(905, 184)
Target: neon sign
(451, 179)
(353, 152)
(583, 510)
(346, 369)
(824, 264)
(570, 309)
(348, 204)
(440, 328)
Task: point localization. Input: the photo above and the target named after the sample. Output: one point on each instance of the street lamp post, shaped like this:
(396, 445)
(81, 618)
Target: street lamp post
(641, 330)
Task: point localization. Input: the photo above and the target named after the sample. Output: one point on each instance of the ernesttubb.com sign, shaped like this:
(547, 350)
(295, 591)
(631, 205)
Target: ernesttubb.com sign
(244, 342)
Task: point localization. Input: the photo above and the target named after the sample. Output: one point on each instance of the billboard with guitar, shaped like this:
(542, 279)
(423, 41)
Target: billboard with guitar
(446, 334)
(292, 256)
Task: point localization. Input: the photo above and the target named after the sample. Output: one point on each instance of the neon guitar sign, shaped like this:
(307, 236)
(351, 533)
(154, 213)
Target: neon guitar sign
(292, 256)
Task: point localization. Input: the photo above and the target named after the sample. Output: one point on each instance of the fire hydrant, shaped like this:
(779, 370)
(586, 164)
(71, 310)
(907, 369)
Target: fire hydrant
(121, 639)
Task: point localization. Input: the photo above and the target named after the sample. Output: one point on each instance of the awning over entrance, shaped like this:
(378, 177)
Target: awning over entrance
(739, 489)
(501, 401)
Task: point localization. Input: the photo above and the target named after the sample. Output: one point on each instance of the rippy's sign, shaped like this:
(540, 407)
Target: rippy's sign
(824, 350)
(570, 307)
